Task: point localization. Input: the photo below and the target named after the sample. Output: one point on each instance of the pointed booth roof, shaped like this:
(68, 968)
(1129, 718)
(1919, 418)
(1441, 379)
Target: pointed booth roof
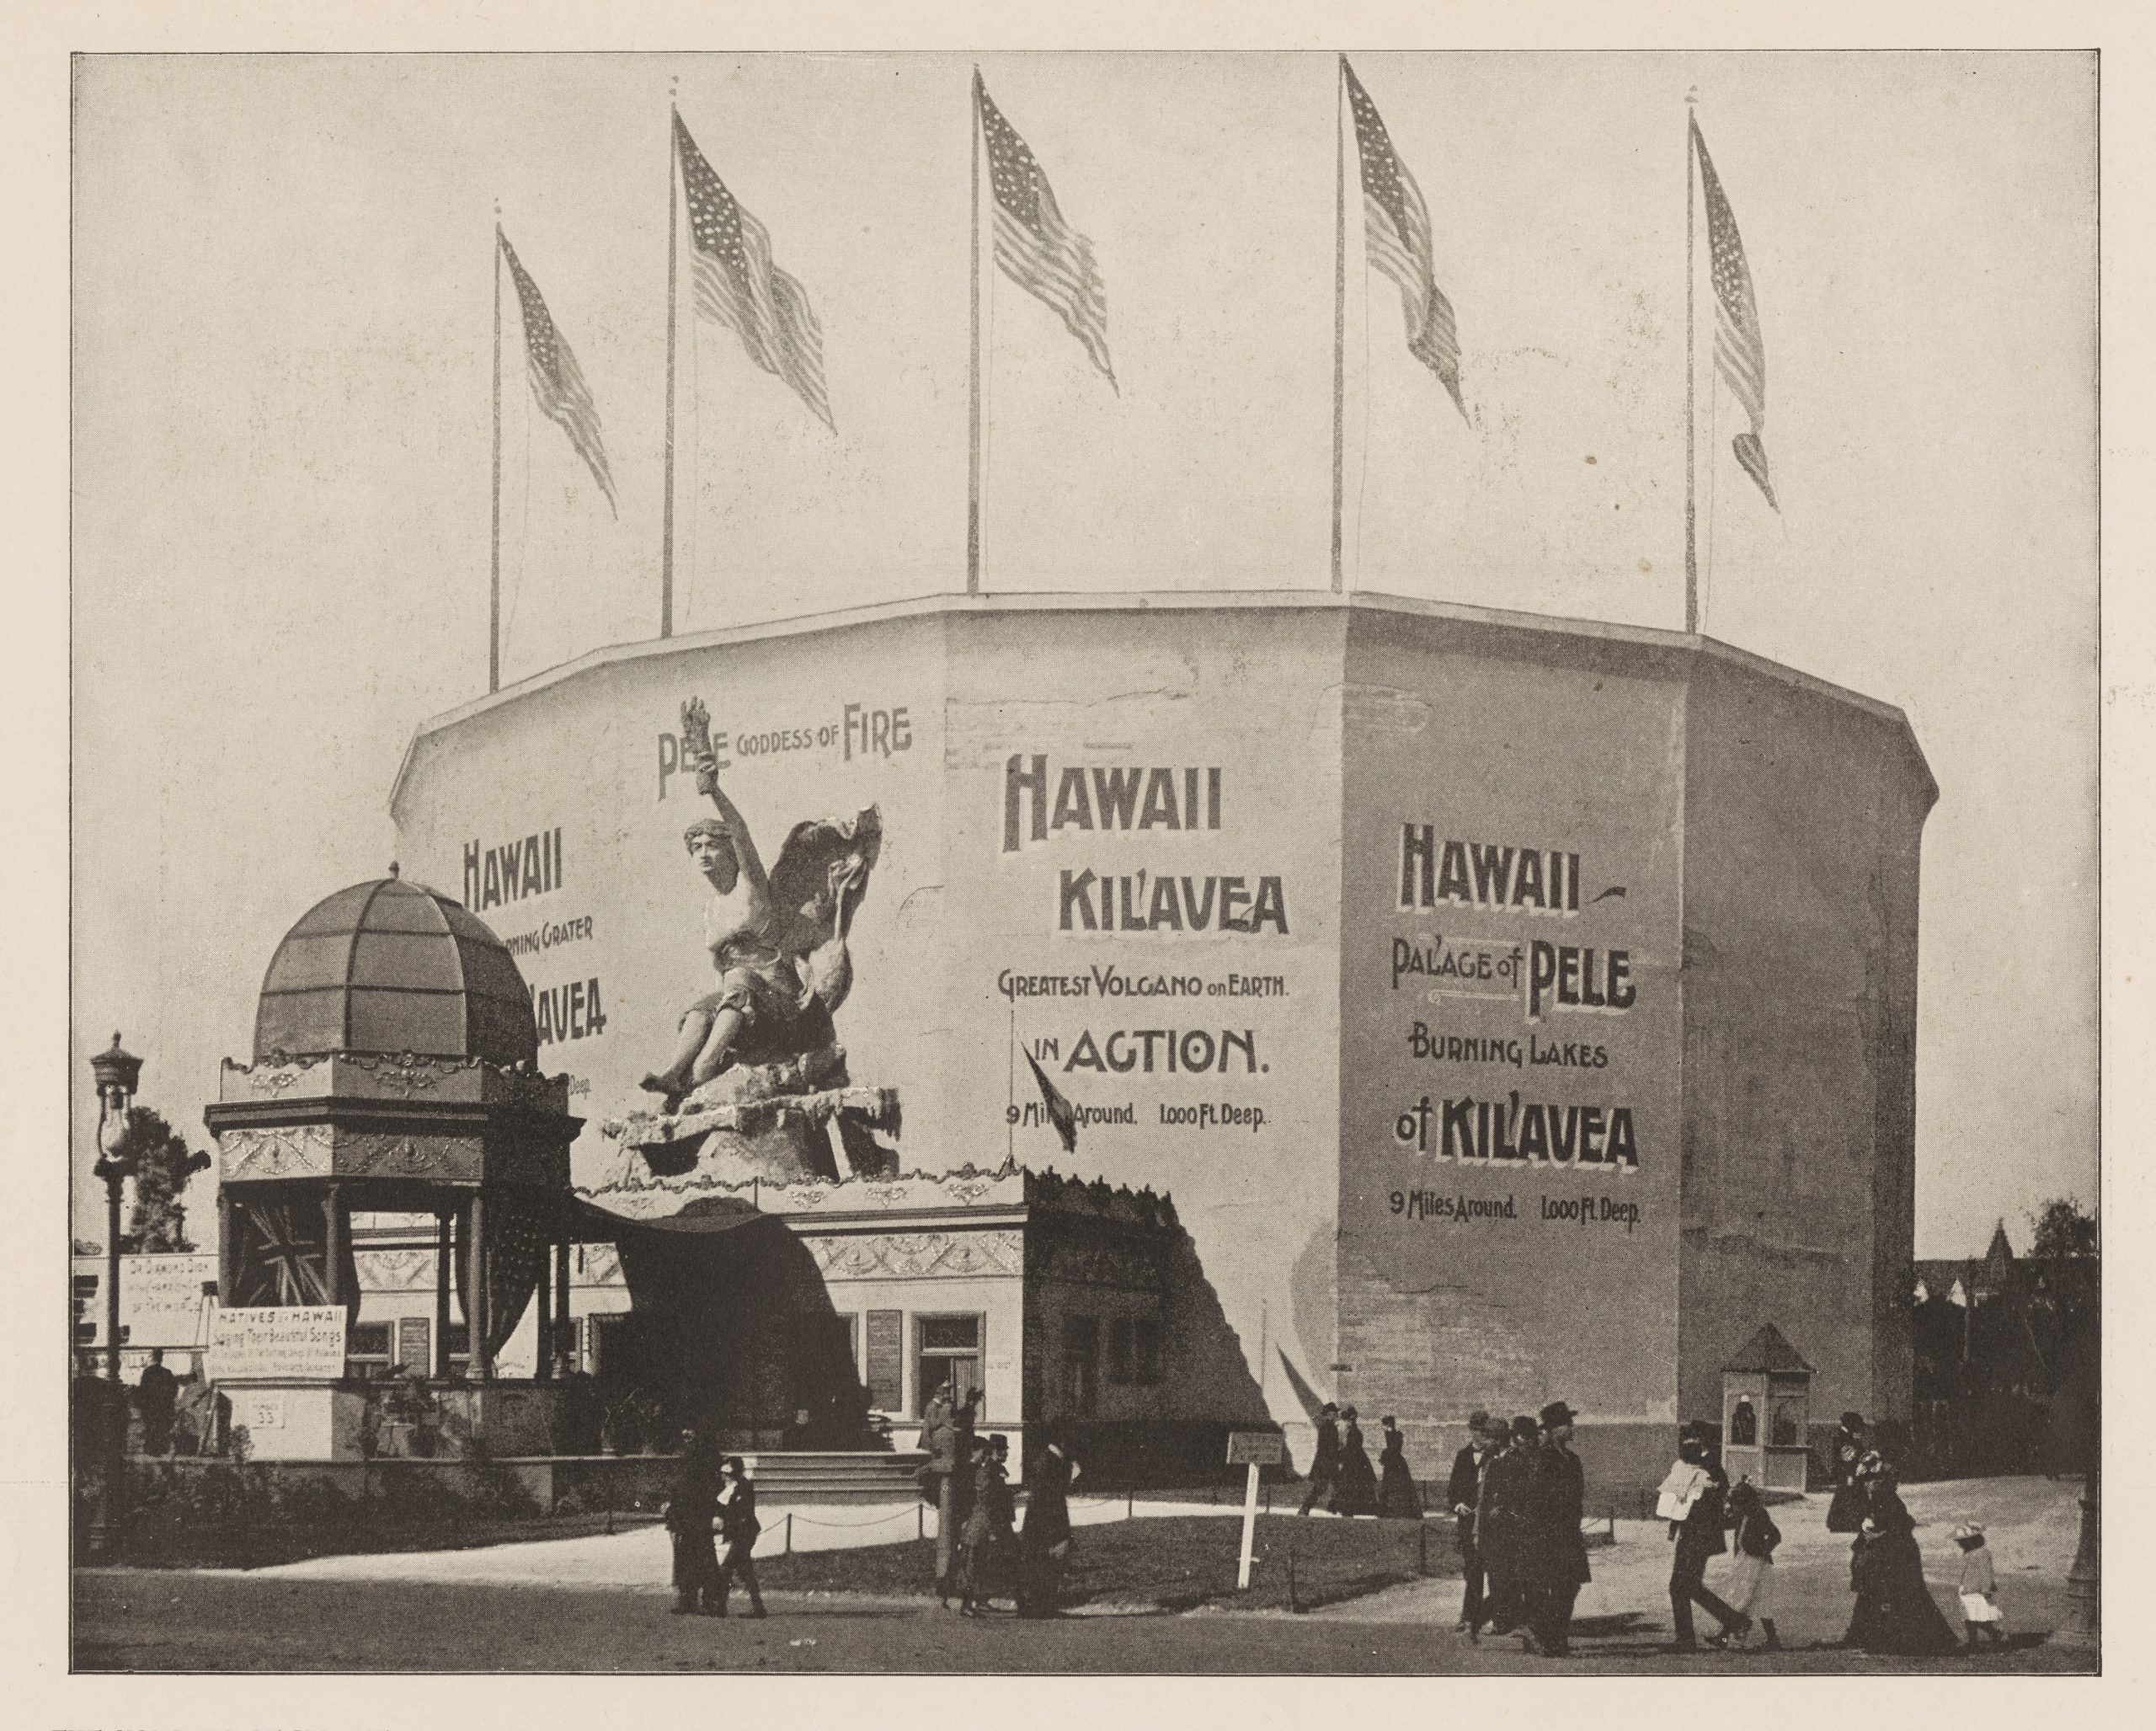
(1767, 1351)
(393, 966)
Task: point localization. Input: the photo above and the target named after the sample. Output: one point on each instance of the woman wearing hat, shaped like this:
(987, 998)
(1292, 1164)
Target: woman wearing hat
(1357, 1492)
(1895, 1611)
(1398, 1497)
(1845, 1513)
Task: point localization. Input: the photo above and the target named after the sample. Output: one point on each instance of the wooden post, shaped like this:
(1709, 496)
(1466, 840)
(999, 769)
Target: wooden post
(1250, 1528)
(439, 1348)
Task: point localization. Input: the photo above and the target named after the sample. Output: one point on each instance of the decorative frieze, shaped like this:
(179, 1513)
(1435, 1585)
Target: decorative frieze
(296, 1151)
(909, 1256)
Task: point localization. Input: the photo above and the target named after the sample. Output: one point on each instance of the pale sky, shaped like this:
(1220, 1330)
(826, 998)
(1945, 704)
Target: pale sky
(282, 365)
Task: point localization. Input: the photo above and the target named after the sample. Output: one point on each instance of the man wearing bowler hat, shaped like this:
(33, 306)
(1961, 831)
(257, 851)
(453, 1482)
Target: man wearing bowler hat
(1503, 1521)
(1558, 1495)
(1462, 1492)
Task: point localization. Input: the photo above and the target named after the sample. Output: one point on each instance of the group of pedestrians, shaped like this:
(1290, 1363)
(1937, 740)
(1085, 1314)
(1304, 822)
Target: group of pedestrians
(1340, 1475)
(1894, 1613)
(1518, 1493)
(982, 1553)
(711, 1520)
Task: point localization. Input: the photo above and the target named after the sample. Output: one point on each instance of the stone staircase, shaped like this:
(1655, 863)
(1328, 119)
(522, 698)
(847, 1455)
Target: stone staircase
(804, 1476)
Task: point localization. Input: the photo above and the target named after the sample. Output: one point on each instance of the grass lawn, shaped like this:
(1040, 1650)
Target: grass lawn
(1177, 1562)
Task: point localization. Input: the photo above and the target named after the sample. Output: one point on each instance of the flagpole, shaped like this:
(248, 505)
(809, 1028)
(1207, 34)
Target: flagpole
(673, 254)
(973, 446)
(1339, 304)
(495, 581)
(1691, 385)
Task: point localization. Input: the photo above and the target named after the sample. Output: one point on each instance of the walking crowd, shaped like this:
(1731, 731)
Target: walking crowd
(1516, 1493)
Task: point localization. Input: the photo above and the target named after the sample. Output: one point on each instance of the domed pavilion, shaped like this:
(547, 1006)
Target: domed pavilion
(394, 1072)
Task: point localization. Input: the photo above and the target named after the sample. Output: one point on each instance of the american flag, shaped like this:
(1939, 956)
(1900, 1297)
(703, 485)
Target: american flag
(516, 1247)
(739, 286)
(1034, 246)
(557, 383)
(1740, 356)
(1396, 232)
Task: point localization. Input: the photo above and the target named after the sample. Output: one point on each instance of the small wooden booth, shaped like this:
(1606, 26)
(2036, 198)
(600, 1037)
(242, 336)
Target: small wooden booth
(1766, 1413)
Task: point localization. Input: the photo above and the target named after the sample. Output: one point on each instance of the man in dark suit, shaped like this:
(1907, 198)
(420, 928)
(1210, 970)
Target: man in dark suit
(156, 1397)
(689, 1515)
(738, 1523)
(1462, 1492)
(1698, 1537)
(1560, 1552)
(1324, 1460)
(1502, 1523)
(1044, 1540)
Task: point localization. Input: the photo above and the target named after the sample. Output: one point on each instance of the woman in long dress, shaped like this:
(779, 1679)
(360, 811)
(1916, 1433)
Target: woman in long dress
(1895, 1611)
(1398, 1497)
(1356, 1491)
(1845, 1512)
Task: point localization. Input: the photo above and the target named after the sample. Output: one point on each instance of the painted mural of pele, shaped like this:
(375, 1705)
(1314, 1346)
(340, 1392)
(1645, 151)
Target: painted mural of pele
(777, 938)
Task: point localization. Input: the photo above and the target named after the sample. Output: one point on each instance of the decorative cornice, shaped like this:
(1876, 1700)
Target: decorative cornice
(406, 1075)
(639, 1196)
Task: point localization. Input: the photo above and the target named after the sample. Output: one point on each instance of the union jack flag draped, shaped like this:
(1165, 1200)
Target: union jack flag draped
(740, 286)
(283, 1255)
(557, 383)
(1396, 236)
(1034, 246)
(1740, 355)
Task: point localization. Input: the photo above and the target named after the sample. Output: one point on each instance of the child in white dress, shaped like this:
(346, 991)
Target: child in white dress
(1979, 1588)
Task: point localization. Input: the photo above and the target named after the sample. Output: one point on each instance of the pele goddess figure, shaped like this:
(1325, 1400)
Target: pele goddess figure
(777, 938)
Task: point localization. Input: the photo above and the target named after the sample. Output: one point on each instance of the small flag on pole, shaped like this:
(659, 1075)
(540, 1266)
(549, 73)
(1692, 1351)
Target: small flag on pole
(1740, 356)
(1060, 1112)
(557, 383)
(1034, 246)
(1397, 231)
(740, 286)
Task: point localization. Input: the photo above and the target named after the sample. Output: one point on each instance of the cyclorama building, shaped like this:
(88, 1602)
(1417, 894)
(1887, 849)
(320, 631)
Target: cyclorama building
(1492, 1009)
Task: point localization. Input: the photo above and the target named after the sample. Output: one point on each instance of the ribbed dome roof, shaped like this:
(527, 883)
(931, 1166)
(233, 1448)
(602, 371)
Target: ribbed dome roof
(389, 966)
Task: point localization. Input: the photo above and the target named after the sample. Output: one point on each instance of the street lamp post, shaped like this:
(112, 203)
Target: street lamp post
(116, 1072)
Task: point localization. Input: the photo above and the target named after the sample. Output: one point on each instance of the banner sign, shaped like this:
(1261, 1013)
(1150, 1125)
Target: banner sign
(267, 1343)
